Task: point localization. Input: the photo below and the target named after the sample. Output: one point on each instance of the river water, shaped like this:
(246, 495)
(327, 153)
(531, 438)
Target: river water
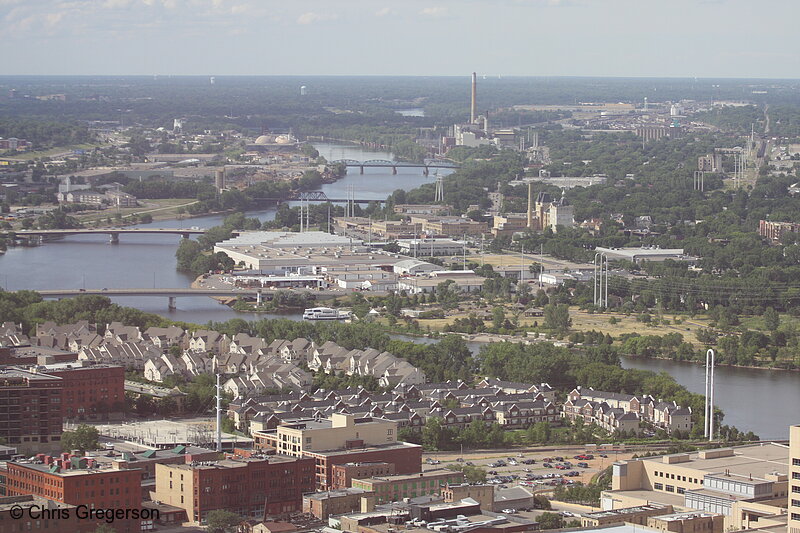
(762, 401)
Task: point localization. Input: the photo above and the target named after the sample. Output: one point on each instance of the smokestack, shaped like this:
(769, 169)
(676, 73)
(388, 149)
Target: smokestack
(486, 122)
(473, 110)
(530, 204)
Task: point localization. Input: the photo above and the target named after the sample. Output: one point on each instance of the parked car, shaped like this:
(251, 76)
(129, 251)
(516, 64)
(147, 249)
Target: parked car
(583, 465)
(509, 511)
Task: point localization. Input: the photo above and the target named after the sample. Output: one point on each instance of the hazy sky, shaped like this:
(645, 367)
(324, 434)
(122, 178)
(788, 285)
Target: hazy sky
(704, 38)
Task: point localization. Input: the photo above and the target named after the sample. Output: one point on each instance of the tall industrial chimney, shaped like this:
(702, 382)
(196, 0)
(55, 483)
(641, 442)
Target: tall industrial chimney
(473, 110)
(530, 204)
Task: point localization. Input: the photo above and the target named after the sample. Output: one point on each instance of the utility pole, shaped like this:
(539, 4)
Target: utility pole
(219, 413)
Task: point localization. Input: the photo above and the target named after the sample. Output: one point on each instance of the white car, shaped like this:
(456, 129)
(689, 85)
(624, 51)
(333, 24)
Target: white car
(509, 511)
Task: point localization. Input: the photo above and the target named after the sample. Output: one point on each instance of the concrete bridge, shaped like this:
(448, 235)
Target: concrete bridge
(113, 233)
(173, 293)
(394, 165)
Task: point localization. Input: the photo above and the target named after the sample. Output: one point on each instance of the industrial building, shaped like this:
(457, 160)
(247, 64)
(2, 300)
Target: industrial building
(430, 247)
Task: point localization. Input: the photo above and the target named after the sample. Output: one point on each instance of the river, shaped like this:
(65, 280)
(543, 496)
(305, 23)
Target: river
(756, 400)
(89, 261)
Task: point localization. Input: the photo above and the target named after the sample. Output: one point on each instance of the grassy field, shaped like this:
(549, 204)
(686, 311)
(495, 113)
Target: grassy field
(160, 209)
(583, 321)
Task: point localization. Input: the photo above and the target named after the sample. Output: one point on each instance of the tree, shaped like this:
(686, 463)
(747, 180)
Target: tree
(550, 521)
(221, 521)
(83, 438)
(771, 319)
(556, 317)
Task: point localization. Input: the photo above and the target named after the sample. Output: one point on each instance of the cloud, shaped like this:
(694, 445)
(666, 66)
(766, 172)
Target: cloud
(312, 17)
(385, 11)
(435, 11)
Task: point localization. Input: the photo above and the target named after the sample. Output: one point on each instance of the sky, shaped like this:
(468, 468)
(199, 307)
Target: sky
(658, 38)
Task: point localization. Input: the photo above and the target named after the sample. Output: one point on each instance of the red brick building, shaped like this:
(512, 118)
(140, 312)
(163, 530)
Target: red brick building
(406, 458)
(250, 487)
(30, 410)
(343, 474)
(97, 488)
(88, 391)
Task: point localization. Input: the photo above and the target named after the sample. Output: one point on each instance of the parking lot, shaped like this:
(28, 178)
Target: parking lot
(538, 470)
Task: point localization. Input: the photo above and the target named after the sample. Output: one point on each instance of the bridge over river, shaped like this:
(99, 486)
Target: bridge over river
(114, 233)
(394, 165)
(173, 293)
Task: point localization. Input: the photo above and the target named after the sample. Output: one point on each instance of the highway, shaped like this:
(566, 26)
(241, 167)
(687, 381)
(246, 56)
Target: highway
(187, 291)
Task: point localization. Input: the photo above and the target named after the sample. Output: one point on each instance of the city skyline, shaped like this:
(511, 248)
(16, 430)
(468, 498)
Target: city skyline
(616, 38)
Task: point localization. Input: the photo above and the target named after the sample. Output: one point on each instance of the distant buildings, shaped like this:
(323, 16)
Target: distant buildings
(775, 230)
(97, 198)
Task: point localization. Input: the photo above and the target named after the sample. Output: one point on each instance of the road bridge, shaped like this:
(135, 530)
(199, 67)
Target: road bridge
(113, 233)
(173, 293)
(394, 165)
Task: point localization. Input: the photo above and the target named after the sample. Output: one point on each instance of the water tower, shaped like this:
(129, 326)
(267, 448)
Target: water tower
(303, 90)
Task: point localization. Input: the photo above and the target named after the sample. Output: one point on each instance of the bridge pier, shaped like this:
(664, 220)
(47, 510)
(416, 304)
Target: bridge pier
(172, 306)
(113, 238)
(259, 297)
(184, 235)
(362, 169)
(394, 171)
(425, 171)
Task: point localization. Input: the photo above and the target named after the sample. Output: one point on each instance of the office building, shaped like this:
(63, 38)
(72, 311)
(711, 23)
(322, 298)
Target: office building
(336, 502)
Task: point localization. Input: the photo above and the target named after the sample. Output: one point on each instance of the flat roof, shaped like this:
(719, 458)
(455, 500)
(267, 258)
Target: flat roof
(410, 477)
(335, 494)
(240, 462)
(756, 460)
(626, 511)
(375, 447)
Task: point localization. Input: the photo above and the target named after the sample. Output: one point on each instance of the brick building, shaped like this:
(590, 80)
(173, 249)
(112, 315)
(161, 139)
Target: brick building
(88, 391)
(406, 458)
(395, 488)
(336, 502)
(343, 474)
(71, 482)
(30, 410)
(55, 519)
(250, 487)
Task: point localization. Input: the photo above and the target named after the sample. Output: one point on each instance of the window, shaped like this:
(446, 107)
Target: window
(795, 503)
(681, 490)
(658, 486)
(795, 475)
(670, 488)
(795, 461)
(795, 516)
(795, 489)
